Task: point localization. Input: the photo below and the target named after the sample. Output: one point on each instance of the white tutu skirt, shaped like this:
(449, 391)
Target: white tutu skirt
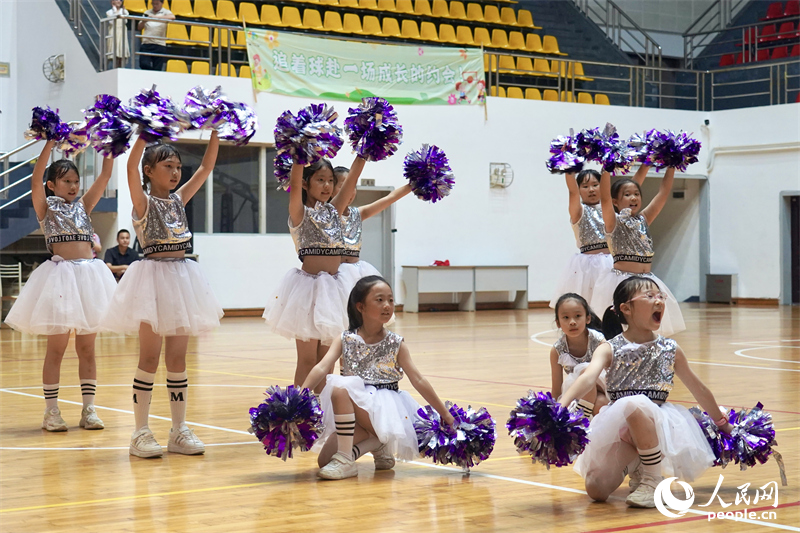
(62, 295)
(308, 306)
(350, 273)
(581, 275)
(392, 414)
(570, 378)
(685, 451)
(172, 296)
(603, 298)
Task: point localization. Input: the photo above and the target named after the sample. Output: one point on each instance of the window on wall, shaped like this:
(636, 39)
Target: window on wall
(277, 200)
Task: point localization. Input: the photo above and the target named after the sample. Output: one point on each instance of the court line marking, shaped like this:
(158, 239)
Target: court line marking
(740, 353)
(49, 449)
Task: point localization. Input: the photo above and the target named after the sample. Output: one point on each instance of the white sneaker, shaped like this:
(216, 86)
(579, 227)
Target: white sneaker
(340, 467)
(383, 459)
(635, 477)
(143, 444)
(185, 441)
(53, 421)
(644, 495)
(89, 418)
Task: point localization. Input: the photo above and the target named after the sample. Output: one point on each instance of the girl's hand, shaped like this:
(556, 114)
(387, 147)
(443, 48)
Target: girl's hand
(727, 428)
(448, 419)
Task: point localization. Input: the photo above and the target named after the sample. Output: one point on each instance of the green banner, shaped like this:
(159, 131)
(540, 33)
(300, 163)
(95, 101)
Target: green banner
(312, 67)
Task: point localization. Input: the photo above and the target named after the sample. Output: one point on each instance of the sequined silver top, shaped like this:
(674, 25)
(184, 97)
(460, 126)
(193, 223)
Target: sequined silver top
(590, 231)
(569, 361)
(351, 233)
(374, 363)
(65, 222)
(164, 227)
(320, 231)
(630, 240)
(641, 368)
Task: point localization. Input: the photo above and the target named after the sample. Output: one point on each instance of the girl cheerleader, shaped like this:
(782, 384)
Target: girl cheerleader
(165, 297)
(364, 405)
(627, 228)
(640, 432)
(593, 258)
(309, 304)
(71, 290)
(571, 354)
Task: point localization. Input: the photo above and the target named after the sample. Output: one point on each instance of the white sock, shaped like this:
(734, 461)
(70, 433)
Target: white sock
(588, 408)
(345, 429)
(50, 395)
(178, 388)
(651, 461)
(142, 393)
(88, 389)
(365, 446)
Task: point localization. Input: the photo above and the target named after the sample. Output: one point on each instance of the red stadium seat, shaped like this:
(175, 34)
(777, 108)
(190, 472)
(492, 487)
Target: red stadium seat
(792, 8)
(767, 34)
(762, 55)
(798, 98)
(727, 60)
(774, 11)
(787, 31)
(780, 52)
(795, 51)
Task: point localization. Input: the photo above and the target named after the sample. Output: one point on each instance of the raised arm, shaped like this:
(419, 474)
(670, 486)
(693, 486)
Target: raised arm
(601, 358)
(349, 187)
(324, 367)
(606, 203)
(296, 207)
(38, 196)
(200, 176)
(556, 372)
(660, 199)
(138, 197)
(92, 196)
(575, 204)
(422, 385)
(379, 205)
(641, 174)
(698, 389)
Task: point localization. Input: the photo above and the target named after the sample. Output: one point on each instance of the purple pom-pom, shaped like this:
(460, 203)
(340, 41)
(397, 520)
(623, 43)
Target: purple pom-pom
(46, 125)
(720, 442)
(201, 106)
(429, 173)
(373, 129)
(157, 116)
(565, 158)
(468, 442)
(666, 149)
(283, 170)
(547, 430)
(590, 144)
(108, 132)
(309, 136)
(237, 122)
(76, 141)
(289, 418)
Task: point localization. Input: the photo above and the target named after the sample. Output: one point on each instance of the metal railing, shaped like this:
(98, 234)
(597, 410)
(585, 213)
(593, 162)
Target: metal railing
(714, 19)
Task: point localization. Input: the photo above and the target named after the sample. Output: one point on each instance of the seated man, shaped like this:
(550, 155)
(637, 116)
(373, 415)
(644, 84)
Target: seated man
(119, 257)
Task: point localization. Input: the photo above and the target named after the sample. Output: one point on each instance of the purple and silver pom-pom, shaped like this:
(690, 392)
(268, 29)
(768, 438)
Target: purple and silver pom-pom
(237, 122)
(46, 125)
(289, 418)
(590, 144)
(373, 129)
(76, 141)
(429, 173)
(670, 149)
(547, 430)
(565, 158)
(309, 136)
(201, 106)
(618, 158)
(468, 442)
(157, 116)
(108, 132)
(720, 442)
(283, 170)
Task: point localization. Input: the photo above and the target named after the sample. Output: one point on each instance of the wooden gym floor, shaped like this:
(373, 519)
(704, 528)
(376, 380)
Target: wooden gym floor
(86, 480)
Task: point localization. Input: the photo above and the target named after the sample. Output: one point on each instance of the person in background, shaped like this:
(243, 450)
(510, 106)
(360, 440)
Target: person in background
(119, 257)
(154, 35)
(96, 246)
(117, 39)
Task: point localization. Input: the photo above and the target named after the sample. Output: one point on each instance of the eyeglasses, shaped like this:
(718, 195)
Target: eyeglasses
(651, 295)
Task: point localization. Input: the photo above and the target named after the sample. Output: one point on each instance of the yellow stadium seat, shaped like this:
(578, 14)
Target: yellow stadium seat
(516, 41)
(372, 26)
(404, 6)
(474, 12)
(427, 32)
(457, 10)
(491, 14)
(507, 64)
(227, 11)
(422, 8)
(368, 4)
(550, 95)
(332, 21)
(541, 67)
(499, 39)
(271, 16)
(351, 23)
(387, 5)
(464, 35)
(482, 37)
(489, 62)
(204, 9)
(440, 9)
(325, 2)
(560, 67)
(498, 91)
(533, 94)
(181, 8)
(241, 40)
(525, 19)
(348, 3)
(447, 33)
(567, 96)
(409, 29)
(150, 4)
(525, 63)
(244, 72)
(507, 16)
(601, 99)
(585, 98)
(550, 46)
(312, 20)
(248, 12)
(390, 28)
(515, 92)
(223, 42)
(199, 34)
(176, 65)
(533, 43)
(135, 6)
(200, 67)
(176, 34)
(291, 17)
(579, 74)
(225, 70)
